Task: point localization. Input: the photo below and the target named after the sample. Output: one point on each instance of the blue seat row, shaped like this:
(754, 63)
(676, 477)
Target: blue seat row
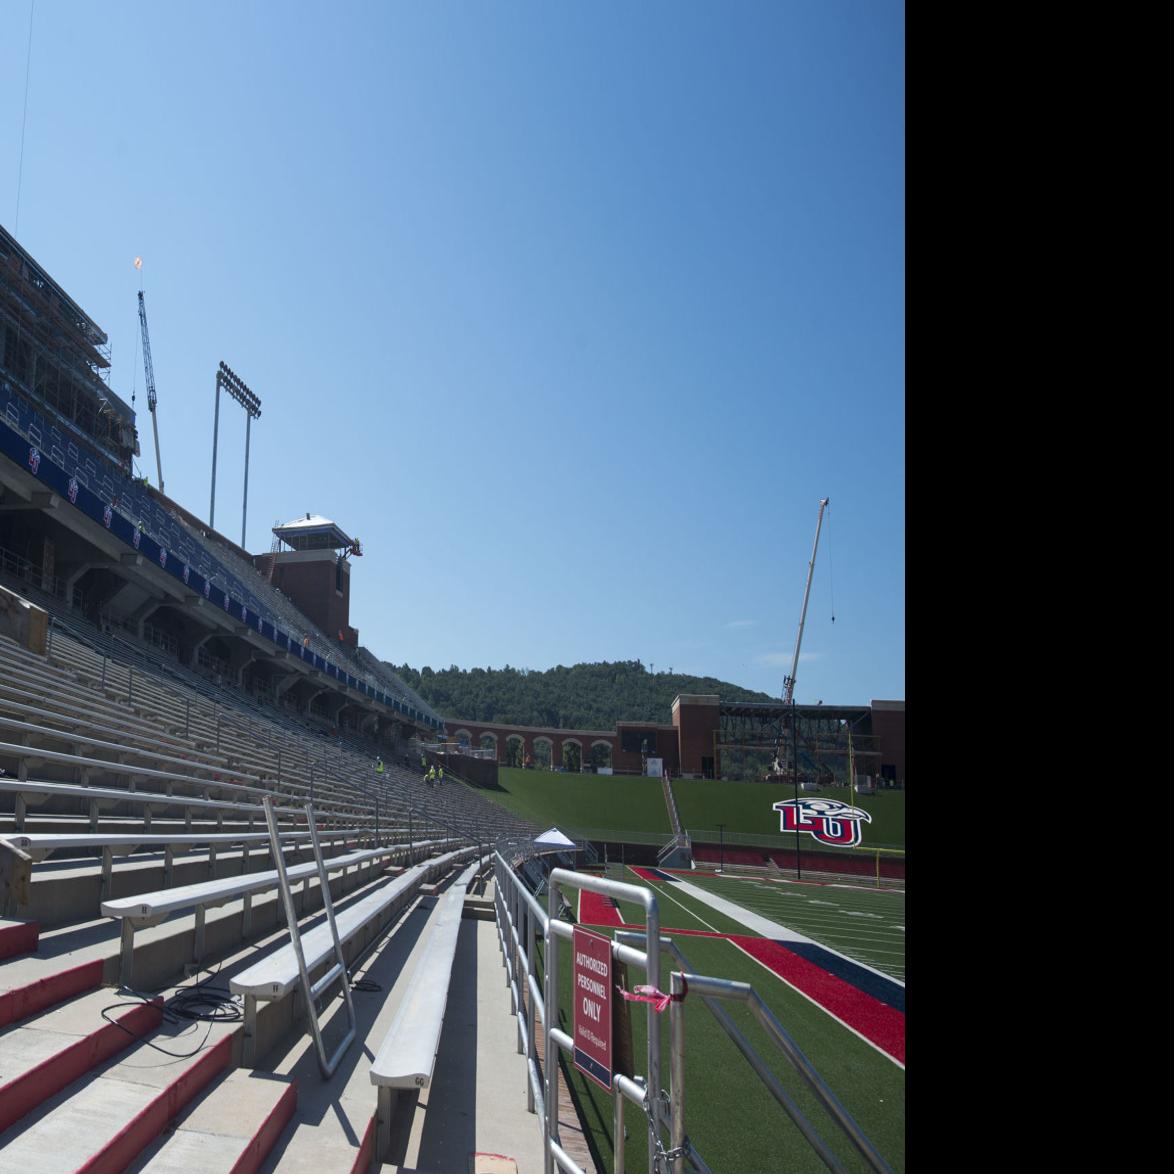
(226, 570)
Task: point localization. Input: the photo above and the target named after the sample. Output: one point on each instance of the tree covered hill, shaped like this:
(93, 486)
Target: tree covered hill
(582, 697)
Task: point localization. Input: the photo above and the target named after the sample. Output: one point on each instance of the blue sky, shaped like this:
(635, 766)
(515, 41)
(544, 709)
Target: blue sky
(571, 312)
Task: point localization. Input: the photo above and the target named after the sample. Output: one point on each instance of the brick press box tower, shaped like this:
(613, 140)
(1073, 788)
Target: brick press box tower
(310, 564)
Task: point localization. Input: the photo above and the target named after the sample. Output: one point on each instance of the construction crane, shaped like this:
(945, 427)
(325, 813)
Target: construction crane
(789, 681)
(777, 768)
(152, 398)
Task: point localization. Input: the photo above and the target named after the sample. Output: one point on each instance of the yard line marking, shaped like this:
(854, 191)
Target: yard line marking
(760, 925)
(652, 885)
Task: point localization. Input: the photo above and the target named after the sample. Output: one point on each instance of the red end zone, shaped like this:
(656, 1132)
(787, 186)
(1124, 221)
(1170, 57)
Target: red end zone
(596, 909)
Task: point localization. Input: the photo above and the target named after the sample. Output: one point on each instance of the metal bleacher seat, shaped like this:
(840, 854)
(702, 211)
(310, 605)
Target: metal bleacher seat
(275, 976)
(149, 909)
(407, 1056)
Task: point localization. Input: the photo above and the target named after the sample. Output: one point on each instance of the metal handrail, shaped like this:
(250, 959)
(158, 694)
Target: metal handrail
(516, 907)
(708, 989)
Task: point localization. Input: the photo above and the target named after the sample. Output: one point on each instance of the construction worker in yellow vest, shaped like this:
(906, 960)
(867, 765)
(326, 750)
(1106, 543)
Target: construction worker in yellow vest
(431, 775)
(379, 764)
(440, 774)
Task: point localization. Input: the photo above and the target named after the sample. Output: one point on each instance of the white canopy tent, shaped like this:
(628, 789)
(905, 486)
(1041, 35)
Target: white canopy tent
(553, 840)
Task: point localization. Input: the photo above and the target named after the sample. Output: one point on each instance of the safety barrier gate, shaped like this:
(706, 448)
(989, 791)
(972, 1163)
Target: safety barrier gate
(521, 920)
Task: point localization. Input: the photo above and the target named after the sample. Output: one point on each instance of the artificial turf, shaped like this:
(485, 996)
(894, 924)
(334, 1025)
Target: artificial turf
(731, 1118)
(628, 804)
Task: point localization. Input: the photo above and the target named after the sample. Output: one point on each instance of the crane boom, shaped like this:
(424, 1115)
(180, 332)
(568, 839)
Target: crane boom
(789, 681)
(152, 398)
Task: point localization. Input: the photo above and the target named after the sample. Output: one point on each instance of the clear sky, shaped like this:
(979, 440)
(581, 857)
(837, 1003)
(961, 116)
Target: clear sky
(572, 312)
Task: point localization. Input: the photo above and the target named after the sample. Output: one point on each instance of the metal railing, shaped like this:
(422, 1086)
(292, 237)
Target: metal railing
(774, 840)
(709, 990)
(522, 922)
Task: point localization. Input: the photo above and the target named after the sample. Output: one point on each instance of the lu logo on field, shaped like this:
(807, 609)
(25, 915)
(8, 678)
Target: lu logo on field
(828, 820)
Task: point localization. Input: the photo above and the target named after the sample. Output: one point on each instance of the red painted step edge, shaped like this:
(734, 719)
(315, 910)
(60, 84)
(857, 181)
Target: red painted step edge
(366, 1150)
(266, 1137)
(146, 1125)
(19, 937)
(23, 1001)
(49, 1077)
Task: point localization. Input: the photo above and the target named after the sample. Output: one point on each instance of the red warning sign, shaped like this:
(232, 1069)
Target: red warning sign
(592, 979)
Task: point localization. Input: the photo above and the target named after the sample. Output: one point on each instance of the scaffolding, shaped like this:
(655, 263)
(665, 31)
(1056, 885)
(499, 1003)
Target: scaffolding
(766, 741)
(59, 358)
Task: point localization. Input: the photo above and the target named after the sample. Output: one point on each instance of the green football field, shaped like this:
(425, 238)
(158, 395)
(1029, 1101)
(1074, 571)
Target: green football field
(733, 1120)
(865, 924)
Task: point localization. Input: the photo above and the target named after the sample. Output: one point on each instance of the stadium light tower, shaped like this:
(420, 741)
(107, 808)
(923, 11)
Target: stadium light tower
(232, 383)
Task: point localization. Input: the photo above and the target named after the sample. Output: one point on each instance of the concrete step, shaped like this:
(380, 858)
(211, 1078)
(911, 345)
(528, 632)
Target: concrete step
(31, 989)
(232, 1128)
(103, 1119)
(44, 1054)
(18, 936)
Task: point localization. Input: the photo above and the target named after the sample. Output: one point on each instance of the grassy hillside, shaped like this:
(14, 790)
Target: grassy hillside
(626, 803)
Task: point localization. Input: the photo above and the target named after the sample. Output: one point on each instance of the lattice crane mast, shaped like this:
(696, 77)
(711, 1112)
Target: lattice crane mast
(152, 398)
(789, 681)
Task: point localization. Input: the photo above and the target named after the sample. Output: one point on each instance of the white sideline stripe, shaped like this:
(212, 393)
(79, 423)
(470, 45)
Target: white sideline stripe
(275, 976)
(408, 1052)
(662, 888)
(771, 929)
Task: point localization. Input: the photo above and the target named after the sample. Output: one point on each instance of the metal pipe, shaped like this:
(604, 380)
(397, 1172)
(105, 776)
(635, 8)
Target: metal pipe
(531, 1051)
(637, 895)
(626, 1089)
(558, 1154)
(709, 989)
(618, 1157)
(215, 440)
(245, 504)
(549, 1058)
(677, 1072)
(775, 1087)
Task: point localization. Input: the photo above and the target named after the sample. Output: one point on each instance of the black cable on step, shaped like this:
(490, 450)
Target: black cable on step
(201, 1003)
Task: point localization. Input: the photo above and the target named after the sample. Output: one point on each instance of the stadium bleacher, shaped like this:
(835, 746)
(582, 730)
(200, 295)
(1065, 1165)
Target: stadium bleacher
(228, 579)
(131, 799)
(164, 813)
